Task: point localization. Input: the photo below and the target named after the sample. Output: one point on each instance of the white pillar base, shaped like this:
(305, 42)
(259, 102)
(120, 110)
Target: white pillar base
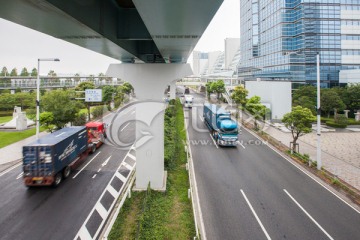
(149, 82)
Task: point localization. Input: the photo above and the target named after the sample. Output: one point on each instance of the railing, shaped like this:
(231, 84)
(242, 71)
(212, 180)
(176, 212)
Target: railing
(54, 82)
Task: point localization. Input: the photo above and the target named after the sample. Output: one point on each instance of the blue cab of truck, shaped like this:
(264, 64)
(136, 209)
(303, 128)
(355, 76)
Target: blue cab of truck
(223, 129)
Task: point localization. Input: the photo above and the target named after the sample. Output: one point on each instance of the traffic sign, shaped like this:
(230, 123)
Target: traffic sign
(93, 95)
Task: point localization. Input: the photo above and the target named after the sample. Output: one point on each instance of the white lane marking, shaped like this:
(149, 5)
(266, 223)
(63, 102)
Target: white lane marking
(105, 162)
(121, 177)
(124, 127)
(317, 224)
(112, 191)
(94, 176)
(241, 144)
(131, 156)
(86, 165)
(313, 178)
(84, 234)
(213, 141)
(10, 169)
(99, 170)
(256, 216)
(101, 210)
(20, 175)
(202, 228)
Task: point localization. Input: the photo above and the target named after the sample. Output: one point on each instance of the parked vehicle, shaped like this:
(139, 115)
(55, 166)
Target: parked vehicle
(188, 101)
(50, 159)
(186, 90)
(223, 129)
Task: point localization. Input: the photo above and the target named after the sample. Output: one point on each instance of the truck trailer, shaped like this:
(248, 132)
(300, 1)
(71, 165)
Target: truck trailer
(223, 129)
(51, 158)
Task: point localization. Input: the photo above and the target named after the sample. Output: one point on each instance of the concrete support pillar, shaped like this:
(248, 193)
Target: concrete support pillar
(149, 82)
(173, 90)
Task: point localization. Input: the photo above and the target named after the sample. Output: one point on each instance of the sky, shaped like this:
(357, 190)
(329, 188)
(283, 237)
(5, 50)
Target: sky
(21, 47)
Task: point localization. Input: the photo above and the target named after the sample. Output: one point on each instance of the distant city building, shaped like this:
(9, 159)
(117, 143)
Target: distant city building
(271, 28)
(217, 62)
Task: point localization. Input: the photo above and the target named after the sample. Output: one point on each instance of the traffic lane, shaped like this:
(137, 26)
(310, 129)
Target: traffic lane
(220, 175)
(333, 215)
(225, 214)
(47, 213)
(270, 193)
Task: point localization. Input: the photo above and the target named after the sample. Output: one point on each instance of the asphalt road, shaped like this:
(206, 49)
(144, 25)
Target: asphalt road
(58, 213)
(251, 192)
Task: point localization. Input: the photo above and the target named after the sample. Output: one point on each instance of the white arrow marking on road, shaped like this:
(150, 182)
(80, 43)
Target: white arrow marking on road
(106, 162)
(86, 165)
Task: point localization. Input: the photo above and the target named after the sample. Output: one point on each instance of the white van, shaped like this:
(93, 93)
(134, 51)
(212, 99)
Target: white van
(188, 101)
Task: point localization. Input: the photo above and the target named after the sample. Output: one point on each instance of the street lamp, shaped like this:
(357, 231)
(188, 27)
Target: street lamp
(318, 111)
(38, 93)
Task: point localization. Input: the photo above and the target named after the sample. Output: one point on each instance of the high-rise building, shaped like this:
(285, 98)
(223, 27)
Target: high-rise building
(270, 29)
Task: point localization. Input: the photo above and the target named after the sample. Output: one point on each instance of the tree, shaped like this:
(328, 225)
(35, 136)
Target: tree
(298, 121)
(208, 89)
(305, 96)
(218, 87)
(52, 73)
(82, 87)
(34, 72)
(24, 72)
(239, 95)
(127, 88)
(4, 72)
(330, 100)
(62, 107)
(108, 92)
(14, 72)
(47, 120)
(256, 108)
(353, 93)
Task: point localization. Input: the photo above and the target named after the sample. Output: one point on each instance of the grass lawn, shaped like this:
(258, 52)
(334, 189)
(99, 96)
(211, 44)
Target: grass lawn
(7, 138)
(5, 119)
(156, 215)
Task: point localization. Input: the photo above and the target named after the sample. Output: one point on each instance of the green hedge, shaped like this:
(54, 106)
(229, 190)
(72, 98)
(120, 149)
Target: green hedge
(335, 125)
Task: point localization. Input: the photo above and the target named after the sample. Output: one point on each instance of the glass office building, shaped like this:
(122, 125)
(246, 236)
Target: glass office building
(280, 39)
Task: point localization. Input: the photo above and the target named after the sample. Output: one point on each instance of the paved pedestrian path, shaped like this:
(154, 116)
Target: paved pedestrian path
(13, 152)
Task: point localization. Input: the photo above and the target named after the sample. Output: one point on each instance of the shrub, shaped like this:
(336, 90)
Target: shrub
(80, 119)
(341, 119)
(97, 111)
(335, 125)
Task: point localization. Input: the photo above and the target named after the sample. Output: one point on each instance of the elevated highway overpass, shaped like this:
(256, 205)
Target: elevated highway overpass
(160, 34)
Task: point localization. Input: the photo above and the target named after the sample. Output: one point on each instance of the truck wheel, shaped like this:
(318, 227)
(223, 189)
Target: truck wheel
(66, 172)
(93, 148)
(57, 179)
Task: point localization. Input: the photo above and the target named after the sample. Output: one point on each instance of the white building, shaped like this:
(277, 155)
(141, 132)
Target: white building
(349, 76)
(275, 95)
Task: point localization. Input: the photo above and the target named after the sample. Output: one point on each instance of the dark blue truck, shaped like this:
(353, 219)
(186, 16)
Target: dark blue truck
(223, 129)
(49, 159)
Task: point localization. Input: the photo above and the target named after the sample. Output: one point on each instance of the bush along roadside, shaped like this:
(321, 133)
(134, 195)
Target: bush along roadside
(325, 175)
(162, 215)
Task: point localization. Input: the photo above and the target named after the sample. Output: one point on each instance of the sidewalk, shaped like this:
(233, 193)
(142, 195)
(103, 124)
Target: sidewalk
(340, 153)
(12, 153)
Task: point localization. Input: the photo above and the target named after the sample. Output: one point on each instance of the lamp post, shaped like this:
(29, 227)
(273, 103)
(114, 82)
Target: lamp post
(38, 93)
(318, 112)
